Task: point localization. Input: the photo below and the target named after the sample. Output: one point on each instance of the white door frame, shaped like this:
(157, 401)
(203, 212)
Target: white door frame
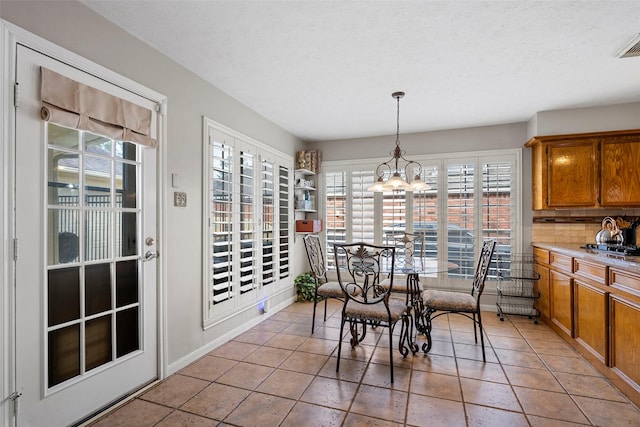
(10, 36)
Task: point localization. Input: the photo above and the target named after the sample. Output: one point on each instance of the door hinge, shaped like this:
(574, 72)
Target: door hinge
(161, 107)
(15, 249)
(15, 398)
(16, 94)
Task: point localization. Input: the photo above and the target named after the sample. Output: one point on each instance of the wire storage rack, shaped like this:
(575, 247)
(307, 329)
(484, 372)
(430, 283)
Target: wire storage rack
(517, 293)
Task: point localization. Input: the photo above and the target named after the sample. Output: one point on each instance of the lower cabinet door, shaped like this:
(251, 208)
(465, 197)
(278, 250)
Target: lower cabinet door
(625, 339)
(542, 287)
(561, 306)
(591, 318)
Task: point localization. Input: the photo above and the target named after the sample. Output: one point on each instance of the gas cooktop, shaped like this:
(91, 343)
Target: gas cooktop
(613, 248)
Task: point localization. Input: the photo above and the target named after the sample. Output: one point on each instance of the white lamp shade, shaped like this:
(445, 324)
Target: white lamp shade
(396, 183)
(378, 186)
(419, 185)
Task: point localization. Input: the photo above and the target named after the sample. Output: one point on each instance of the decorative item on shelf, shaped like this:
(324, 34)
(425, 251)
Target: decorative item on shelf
(315, 158)
(411, 167)
(309, 160)
(301, 159)
(308, 226)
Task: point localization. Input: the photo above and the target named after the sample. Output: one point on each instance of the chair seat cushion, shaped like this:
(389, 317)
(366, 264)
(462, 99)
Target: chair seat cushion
(398, 285)
(376, 311)
(330, 290)
(449, 301)
(333, 290)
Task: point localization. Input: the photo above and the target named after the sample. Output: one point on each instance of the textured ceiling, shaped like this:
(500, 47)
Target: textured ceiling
(325, 70)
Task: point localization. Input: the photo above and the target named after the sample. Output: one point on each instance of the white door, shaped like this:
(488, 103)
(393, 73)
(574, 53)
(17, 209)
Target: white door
(85, 209)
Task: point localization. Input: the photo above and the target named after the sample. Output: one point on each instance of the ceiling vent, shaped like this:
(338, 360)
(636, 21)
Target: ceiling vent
(630, 49)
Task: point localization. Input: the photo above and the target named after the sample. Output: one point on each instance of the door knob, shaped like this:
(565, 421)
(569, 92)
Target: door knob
(150, 255)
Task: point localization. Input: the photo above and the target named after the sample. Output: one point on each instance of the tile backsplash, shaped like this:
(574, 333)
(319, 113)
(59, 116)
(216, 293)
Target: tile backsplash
(573, 233)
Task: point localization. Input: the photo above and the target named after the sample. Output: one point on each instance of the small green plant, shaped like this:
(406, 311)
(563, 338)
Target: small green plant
(305, 286)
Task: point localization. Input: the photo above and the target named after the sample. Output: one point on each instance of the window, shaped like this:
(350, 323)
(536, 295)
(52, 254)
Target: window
(243, 261)
(268, 221)
(471, 198)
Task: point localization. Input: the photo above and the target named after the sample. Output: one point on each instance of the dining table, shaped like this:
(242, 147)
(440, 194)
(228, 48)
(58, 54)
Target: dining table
(413, 297)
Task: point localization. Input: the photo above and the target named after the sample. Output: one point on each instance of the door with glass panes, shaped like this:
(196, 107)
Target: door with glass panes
(85, 216)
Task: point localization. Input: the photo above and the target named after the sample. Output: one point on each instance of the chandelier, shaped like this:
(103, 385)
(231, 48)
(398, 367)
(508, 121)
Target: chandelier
(395, 168)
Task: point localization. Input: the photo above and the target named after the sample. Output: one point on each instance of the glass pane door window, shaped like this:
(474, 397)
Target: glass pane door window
(92, 284)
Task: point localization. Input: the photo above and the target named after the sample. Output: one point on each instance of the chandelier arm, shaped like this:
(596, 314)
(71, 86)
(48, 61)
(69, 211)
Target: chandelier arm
(412, 163)
(381, 166)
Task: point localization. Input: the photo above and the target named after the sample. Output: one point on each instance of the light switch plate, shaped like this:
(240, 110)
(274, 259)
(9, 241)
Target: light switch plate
(180, 199)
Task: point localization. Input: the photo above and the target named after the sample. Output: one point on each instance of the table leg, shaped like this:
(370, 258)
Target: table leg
(356, 336)
(414, 297)
(407, 343)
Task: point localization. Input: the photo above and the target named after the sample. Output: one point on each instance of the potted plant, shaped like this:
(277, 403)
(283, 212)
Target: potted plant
(305, 286)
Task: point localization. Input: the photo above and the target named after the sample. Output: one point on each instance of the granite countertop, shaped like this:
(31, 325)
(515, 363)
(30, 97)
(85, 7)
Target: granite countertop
(629, 263)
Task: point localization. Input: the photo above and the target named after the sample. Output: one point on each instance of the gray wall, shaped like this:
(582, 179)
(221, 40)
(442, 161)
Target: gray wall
(447, 141)
(75, 27)
(582, 120)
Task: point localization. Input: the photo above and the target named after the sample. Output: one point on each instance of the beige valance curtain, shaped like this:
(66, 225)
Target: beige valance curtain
(72, 104)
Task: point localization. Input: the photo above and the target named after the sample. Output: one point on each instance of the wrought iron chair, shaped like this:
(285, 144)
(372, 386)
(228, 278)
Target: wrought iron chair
(324, 289)
(360, 267)
(437, 302)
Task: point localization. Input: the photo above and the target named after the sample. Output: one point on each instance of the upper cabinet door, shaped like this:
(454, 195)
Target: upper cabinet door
(572, 174)
(589, 170)
(620, 173)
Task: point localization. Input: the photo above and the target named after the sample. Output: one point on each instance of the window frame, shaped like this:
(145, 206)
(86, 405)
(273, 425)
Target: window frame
(256, 292)
(440, 161)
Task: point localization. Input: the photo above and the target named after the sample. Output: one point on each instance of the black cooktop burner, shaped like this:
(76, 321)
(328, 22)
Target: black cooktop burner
(612, 248)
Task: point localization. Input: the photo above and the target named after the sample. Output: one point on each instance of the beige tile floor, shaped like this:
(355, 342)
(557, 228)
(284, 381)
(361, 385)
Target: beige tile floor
(278, 374)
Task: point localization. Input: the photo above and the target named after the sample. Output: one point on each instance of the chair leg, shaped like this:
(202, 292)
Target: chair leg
(313, 319)
(325, 309)
(475, 331)
(390, 351)
(484, 357)
(340, 343)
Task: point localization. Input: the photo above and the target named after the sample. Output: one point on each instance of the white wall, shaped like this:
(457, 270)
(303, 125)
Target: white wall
(447, 141)
(75, 27)
(584, 120)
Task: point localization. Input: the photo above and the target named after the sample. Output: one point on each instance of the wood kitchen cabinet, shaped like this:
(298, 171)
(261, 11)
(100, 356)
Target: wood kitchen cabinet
(586, 170)
(625, 339)
(561, 301)
(624, 318)
(591, 309)
(594, 303)
(620, 173)
(572, 173)
(541, 286)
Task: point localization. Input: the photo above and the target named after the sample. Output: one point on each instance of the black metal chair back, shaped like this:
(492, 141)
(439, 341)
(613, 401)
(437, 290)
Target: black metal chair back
(361, 270)
(324, 289)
